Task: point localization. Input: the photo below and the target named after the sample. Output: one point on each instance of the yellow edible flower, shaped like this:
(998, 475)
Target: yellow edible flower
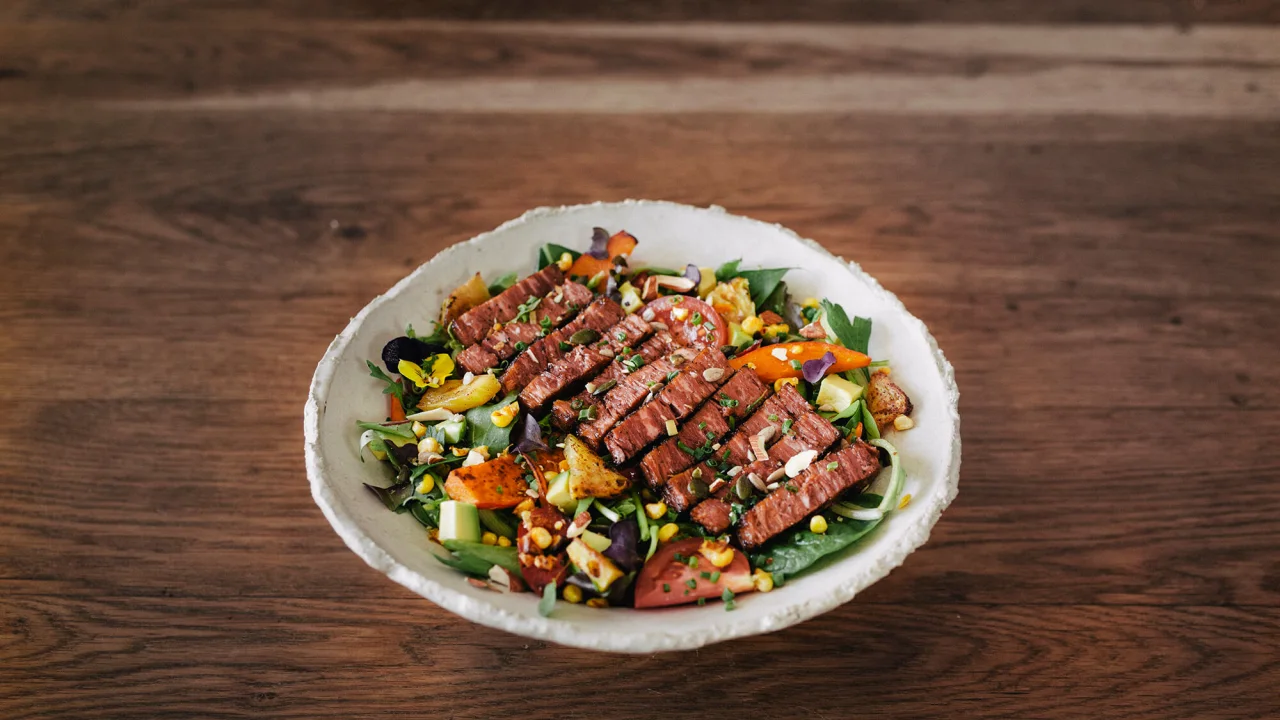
(441, 368)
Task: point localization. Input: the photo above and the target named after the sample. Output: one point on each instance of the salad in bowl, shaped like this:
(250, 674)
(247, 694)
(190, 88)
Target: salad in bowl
(610, 433)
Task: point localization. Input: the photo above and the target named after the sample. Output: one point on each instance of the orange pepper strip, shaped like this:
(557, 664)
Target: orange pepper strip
(396, 409)
(588, 266)
(770, 368)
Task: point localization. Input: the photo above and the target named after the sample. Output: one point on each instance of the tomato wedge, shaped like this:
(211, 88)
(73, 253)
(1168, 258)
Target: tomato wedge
(666, 581)
(690, 321)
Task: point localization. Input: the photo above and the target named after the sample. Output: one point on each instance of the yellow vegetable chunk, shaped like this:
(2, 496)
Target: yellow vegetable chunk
(589, 476)
(456, 397)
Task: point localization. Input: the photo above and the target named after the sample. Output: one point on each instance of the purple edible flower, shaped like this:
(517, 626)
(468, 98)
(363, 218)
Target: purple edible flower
(599, 241)
(693, 273)
(530, 436)
(624, 534)
(814, 369)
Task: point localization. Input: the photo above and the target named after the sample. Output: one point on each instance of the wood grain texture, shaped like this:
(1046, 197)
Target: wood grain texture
(1106, 285)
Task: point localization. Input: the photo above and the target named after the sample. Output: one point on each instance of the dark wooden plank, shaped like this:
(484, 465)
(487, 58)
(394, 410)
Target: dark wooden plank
(43, 61)
(864, 11)
(278, 657)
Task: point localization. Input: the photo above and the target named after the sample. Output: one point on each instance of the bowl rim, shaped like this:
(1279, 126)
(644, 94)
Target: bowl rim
(565, 632)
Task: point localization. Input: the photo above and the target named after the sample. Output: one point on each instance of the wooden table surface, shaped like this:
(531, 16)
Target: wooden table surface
(1081, 199)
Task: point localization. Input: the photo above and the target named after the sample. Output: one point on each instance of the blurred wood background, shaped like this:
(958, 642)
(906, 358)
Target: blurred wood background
(1081, 199)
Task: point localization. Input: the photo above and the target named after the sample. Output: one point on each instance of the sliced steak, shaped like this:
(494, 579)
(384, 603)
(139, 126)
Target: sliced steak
(686, 489)
(566, 412)
(697, 380)
(806, 430)
(629, 393)
(599, 316)
(713, 514)
(556, 308)
(735, 400)
(582, 363)
(471, 327)
(810, 491)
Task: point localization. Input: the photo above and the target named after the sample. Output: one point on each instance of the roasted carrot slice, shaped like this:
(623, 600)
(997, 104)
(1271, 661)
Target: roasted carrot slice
(498, 483)
(773, 362)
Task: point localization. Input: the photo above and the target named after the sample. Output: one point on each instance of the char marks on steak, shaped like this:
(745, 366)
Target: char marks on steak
(735, 400)
(582, 363)
(811, 490)
(681, 396)
(556, 308)
(599, 316)
(629, 393)
(472, 326)
(566, 412)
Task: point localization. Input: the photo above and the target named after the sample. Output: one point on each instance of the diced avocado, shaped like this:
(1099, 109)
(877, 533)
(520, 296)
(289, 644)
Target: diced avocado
(599, 568)
(835, 393)
(459, 521)
(738, 336)
(596, 541)
(558, 492)
(708, 281)
(451, 430)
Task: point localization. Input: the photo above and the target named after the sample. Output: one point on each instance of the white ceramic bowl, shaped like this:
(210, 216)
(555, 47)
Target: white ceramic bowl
(671, 235)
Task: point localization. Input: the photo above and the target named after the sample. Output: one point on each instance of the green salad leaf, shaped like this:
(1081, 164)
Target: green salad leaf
(490, 554)
(775, 302)
(798, 549)
(497, 523)
(762, 283)
(855, 335)
(469, 564)
(728, 271)
(396, 496)
(400, 430)
(551, 252)
(484, 432)
(503, 283)
(548, 601)
(393, 386)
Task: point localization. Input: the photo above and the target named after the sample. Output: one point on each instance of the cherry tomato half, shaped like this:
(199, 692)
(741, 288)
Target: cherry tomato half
(664, 580)
(689, 320)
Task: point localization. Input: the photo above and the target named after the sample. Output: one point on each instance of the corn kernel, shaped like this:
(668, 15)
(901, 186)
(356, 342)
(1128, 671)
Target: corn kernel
(668, 531)
(762, 580)
(776, 330)
(564, 465)
(672, 430)
(503, 541)
(565, 262)
(810, 303)
(489, 538)
(752, 325)
(817, 524)
(419, 429)
(525, 506)
(906, 500)
(430, 445)
(505, 415)
(540, 537)
(460, 451)
(573, 594)
(426, 484)
(680, 313)
(655, 510)
(720, 554)
(597, 603)
(902, 422)
(777, 384)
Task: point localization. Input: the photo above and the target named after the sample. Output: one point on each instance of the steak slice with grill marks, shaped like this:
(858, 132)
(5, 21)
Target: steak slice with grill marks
(807, 431)
(556, 308)
(630, 392)
(684, 490)
(817, 486)
(599, 316)
(471, 326)
(582, 363)
(675, 402)
(735, 400)
(566, 412)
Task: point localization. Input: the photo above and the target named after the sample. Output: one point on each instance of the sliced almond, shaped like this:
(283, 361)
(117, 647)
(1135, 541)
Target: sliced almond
(800, 462)
(776, 475)
(580, 524)
(675, 282)
(499, 575)
(658, 326)
(648, 315)
(733, 471)
(607, 352)
(755, 480)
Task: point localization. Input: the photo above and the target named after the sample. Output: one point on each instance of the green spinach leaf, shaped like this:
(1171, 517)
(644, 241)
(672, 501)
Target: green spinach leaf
(484, 432)
(762, 283)
(491, 554)
(503, 283)
(551, 252)
(797, 549)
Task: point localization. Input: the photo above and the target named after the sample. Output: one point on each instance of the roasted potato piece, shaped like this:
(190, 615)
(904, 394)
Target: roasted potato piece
(589, 476)
(468, 295)
(498, 483)
(456, 397)
(886, 400)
